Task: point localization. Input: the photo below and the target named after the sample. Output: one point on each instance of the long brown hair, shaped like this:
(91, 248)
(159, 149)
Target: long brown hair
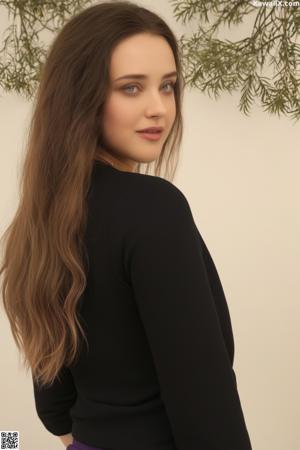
(44, 258)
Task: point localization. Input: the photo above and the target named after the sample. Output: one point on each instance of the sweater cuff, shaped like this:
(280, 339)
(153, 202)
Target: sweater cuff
(59, 427)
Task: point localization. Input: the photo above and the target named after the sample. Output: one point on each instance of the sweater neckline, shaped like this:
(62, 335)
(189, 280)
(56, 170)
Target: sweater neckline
(108, 166)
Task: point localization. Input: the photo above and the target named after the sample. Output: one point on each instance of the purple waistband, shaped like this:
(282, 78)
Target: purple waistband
(80, 446)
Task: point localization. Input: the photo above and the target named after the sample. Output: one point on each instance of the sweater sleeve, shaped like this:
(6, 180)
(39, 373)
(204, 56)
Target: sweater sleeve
(166, 269)
(53, 403)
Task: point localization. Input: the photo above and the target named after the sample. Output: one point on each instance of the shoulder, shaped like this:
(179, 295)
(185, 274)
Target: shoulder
(153, 201)
(133, 187)
(136, 199)
(155, 193)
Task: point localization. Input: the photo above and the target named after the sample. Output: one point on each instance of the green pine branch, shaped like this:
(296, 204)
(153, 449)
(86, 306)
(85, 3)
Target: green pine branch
(214, 66)
(210, 64)
(23, 53)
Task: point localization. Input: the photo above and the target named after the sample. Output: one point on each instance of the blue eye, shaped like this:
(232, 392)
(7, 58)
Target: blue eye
(128, 87)
(125, 88)
(172, 84)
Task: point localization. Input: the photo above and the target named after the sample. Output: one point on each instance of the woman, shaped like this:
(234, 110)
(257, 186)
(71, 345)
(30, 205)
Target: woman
(102, 253)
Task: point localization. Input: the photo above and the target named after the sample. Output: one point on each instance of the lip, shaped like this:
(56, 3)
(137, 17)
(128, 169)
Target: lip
(150, 136)
(151, 129)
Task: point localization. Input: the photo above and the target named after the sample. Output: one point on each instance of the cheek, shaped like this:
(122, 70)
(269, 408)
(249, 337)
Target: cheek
(118, 112)
(174, 108)
(172, 112)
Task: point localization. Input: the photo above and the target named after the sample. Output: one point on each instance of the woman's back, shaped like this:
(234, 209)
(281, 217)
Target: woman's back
(158, 372)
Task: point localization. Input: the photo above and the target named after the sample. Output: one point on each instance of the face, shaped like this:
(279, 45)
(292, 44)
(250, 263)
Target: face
(133, 103)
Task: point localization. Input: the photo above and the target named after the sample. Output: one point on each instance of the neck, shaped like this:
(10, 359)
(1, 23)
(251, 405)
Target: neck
(122, 165)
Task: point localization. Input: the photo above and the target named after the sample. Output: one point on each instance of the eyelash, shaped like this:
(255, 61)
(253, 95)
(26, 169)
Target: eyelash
(171, 83)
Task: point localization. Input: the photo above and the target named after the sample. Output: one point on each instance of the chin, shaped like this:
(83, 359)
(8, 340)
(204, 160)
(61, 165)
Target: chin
(148, 158)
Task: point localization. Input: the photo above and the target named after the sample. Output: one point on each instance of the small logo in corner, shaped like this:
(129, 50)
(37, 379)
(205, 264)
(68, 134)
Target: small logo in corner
(9, 440)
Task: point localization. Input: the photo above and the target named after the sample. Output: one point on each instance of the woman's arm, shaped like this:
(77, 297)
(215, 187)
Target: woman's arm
(185, 317)
(66, 439)
(54, 403)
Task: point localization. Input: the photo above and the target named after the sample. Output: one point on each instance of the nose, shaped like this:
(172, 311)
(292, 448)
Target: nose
(155, 104)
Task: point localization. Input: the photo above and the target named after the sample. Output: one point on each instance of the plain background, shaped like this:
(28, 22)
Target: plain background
(241, 177)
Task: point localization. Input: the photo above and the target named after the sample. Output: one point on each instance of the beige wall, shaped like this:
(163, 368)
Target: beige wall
(241, 177)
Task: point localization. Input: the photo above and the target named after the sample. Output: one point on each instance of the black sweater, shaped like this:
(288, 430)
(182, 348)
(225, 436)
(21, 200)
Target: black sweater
(159, 371)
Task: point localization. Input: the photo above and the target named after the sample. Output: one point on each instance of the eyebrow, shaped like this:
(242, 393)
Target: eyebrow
(142, 76)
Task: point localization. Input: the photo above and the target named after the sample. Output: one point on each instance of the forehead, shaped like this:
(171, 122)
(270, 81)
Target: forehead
(142, 53)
